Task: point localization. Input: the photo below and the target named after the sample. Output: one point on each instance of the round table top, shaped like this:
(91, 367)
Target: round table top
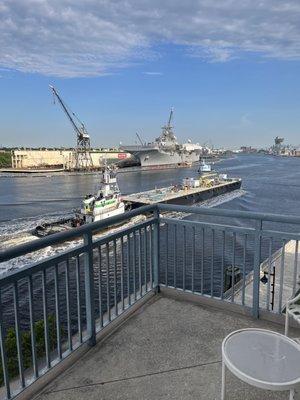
(260, 355)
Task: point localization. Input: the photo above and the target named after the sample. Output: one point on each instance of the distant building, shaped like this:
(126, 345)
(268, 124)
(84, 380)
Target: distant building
(248, 149)
(63, 159)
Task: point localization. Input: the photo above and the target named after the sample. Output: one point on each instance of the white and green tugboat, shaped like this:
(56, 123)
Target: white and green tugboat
(106, 203)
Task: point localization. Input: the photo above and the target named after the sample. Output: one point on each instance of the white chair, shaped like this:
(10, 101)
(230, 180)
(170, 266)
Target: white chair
(293, 311)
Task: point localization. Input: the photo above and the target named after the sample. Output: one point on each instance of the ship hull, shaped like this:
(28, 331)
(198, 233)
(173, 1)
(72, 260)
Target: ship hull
(154, 158)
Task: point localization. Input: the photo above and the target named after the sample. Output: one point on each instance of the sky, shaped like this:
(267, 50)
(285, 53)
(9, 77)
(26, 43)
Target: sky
(229, 68)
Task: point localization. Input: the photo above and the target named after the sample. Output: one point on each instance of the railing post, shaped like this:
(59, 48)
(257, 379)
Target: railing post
(89, 288)
(256, 268)
(156, 252)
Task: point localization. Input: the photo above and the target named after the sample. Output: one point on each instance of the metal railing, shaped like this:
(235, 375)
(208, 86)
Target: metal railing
(51, 307)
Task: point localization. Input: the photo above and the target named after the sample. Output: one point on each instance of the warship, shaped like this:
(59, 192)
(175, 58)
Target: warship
(165, 151)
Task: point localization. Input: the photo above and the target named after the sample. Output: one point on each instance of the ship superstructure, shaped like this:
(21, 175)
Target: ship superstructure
(165, 151)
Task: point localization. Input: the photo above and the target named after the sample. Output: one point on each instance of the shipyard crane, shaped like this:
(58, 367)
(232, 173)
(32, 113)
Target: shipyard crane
(140, 139)
(83, 159)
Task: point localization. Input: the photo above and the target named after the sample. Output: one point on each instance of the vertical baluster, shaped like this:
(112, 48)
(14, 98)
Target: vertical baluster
(68, 302)
(78, 296)
(122, 271)
(100, 285)
(3, 353)
(269, 273)
(233, 266)
(184, 258)
(140, 262)
(18, 334)
(256, 268)
(193, 258)
(202, 261)
(212, 263)
(145, 258)
(57, 312)
(244, 269)
(32, 330)
(223, 244)
(281, 276)
(175, 256)
(108, 282)
(134, 264)
(295, 267)
(128, 269)
(151, 255)
(115, 279)
(46, 322)
(167, 254)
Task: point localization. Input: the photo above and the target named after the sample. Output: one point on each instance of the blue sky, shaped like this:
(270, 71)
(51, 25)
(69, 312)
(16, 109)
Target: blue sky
(231, 71)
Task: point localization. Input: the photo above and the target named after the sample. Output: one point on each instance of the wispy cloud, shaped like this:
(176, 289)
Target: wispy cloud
(74, 38)
(153, 73)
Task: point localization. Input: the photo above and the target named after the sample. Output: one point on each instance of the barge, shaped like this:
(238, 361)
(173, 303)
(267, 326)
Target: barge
(189, 192)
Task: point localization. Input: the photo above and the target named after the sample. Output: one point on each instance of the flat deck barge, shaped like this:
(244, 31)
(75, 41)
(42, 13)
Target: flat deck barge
(179, 195)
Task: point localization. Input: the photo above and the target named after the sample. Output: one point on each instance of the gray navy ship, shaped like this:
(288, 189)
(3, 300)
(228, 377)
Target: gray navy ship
(165, 151)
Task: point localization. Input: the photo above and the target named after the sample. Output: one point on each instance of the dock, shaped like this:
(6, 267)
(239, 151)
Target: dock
(286, 279)
(180, 195)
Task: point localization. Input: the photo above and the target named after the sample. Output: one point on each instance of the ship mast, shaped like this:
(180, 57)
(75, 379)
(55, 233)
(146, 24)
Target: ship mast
(170, 119)
(167, 132)
(83, 159)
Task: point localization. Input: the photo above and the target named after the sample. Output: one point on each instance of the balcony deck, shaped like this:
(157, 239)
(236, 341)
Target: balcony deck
(168, 349)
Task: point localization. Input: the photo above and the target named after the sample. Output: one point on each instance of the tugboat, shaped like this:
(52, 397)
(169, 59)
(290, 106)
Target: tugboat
(204, 167)
(106, 203)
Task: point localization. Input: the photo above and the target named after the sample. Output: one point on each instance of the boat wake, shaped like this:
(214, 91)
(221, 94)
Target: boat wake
(213, 202)
(18, 232)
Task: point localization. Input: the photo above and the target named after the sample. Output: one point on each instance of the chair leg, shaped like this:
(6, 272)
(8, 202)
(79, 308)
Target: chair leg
(224, 381)
(292, 394)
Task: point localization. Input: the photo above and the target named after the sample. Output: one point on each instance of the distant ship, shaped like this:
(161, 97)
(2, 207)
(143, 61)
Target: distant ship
(165, 151)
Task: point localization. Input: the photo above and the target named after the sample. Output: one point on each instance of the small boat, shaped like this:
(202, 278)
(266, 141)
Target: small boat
(204, 167)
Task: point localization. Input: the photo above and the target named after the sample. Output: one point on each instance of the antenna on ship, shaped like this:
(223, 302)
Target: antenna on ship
(170, 118)
(83, 159)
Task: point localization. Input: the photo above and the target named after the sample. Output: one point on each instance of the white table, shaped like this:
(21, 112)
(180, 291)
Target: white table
(262, 358)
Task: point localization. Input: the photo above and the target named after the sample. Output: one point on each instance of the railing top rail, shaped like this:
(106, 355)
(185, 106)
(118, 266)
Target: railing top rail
(56, 238)
(290, 219)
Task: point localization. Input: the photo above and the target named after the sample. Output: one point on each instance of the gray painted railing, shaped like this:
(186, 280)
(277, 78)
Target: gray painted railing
(224, 254)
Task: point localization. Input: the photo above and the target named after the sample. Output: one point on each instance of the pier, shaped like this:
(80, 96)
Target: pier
(280, 277)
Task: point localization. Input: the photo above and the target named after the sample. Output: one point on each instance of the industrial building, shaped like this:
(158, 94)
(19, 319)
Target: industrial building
(62, 159)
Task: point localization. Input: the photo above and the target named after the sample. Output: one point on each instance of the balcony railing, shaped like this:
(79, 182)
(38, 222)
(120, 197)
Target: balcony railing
(50, 308)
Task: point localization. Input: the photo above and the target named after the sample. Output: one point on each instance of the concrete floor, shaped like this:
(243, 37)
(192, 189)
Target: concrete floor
(167, 350)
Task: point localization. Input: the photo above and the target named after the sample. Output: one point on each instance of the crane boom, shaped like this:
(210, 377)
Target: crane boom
(79, 132)
(140, 139)
(82, 155)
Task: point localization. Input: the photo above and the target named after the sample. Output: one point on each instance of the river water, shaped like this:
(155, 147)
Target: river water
(270, 184)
